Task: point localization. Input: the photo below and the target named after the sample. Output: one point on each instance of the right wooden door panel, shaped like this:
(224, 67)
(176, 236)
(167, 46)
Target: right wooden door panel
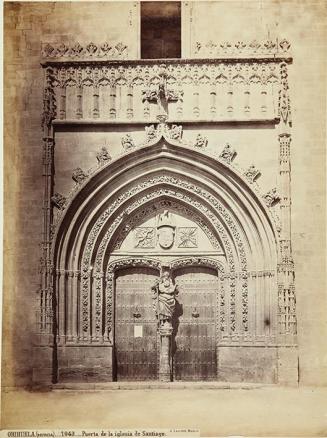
(194, 337)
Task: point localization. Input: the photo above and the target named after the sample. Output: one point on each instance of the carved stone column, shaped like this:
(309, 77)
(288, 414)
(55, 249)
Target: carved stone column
(165, 331)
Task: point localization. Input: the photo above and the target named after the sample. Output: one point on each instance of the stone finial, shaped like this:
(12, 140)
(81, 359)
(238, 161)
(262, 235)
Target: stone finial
(59, 201)
(272, 197)
(252, 174)
(103, 156)
(228, 153)
(127, 142)
(79, 175)
(201, 141)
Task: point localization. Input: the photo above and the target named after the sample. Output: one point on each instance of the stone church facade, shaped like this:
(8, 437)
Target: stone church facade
(166, 244)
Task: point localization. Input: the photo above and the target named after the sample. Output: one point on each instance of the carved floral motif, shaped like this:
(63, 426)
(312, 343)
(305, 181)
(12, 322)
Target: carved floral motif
(200, 141)
(127, 142)
(241, 48)
(59, 201)
(228, 154)
(151, 133)
(252, 174)
(284, 104)
(103, 156)
(144, 237)
(91, 50)
(79, 175)
(176, 132)
(272, 197)
(187, 237)
(147, 211)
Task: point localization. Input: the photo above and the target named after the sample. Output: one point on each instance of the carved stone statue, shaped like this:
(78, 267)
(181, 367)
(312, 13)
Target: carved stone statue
(164, 298)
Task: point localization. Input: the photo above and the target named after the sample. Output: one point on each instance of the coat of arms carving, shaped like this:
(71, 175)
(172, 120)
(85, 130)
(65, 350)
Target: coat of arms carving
(165, 230)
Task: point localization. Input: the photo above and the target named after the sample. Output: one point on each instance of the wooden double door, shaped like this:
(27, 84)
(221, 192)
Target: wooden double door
(137, 341)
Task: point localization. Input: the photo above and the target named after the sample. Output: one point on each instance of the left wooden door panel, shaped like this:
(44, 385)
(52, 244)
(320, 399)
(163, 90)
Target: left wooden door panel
(136, 342)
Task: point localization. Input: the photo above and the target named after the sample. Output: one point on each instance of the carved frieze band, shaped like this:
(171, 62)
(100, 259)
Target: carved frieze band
(178, 78)
(242, 48)
(91, 50)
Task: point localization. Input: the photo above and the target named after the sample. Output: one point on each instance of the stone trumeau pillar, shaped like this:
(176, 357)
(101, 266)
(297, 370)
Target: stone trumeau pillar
(287, 325)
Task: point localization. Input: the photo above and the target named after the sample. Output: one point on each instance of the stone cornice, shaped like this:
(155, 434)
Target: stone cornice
(48, 62)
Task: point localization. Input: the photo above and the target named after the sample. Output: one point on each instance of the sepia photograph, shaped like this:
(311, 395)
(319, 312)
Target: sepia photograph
(164, 267)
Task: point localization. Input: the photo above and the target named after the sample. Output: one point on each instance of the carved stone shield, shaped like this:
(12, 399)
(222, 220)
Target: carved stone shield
(166, 236)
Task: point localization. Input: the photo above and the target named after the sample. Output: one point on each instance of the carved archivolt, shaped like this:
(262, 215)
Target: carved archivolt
(171, 193)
